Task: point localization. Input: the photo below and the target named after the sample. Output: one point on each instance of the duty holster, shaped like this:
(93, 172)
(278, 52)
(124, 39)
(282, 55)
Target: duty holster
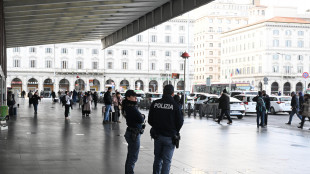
(134, 132)
(176, 140)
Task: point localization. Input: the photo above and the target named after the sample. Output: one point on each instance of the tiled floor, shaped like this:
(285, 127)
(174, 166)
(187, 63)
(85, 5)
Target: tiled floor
(47, 144)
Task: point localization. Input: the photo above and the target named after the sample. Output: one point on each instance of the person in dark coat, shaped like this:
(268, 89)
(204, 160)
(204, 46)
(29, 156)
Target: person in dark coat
(74, 96)
(134, 121)
(53, 96)
(267, 104)
(177, 98)
(108, 103)
(30, 96)
(305, 110)
(300, 99)
(260, 109)
(295, 108)
(224, 105)
(35, 101)
(95, 99)
(166, 120)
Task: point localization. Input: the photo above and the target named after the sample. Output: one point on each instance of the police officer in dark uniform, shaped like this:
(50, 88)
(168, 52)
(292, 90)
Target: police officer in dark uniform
(134, 121)
(166, 121)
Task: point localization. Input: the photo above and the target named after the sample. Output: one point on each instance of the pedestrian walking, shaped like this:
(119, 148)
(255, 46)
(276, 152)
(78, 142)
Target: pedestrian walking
(300, 99)
(53, 96)
(305, 110)
(95, 99)
(11, 102)
(29, 97)
(67, 104)
(134, 121)
(74, 96)
(35, 101)
(260, 109)
(59, 96)
(87, 99)
(108, 102)
(295, 108)
(166, 120)
(80, 97)
(117, 102)
(267, 103)
(224, 105)
(23, 94)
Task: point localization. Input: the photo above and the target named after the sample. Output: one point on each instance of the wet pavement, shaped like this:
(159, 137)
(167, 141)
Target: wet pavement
(47, 144)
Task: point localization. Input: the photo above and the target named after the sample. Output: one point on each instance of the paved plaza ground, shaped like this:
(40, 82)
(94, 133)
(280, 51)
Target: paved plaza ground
(47, 144)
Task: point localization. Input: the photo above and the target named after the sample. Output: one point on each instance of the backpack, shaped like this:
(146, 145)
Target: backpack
(63, 100)
(260, 104)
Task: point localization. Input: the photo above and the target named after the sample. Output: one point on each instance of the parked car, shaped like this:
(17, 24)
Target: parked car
(201, 99)
(147, 100)
(196, 95)
(249, 104)
(210, 108)
(280, 104)
(233, 93)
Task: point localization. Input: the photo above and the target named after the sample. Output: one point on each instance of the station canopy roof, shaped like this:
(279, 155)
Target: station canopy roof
(38, 22)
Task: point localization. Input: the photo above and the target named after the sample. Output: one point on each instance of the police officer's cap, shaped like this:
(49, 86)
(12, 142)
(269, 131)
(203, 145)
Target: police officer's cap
(168, 89)
(130, 93)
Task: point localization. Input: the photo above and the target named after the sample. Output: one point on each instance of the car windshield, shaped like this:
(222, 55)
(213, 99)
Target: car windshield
(285, 99)
(235, 93)
(140, 95)
(192, 95)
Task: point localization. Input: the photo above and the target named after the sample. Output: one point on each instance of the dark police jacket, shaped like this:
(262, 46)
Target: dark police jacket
(165, 116)
(295, 103)
(133, 117)
(107, 98)
(224, 102)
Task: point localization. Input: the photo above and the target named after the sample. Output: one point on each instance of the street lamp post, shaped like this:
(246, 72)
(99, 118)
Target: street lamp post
(185, 56)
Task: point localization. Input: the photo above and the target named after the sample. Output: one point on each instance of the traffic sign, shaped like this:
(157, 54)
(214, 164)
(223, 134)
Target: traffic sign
(305, 75)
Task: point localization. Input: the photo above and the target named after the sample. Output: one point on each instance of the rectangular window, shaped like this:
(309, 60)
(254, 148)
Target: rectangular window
(94, 51)
(95, 65)
(168, 53)
(64, 51)
(167, 66)
(167, 39)
(300, 69)
(210, 68)
(288, 43)
(211, 37)
(275, 68)
(32, 63)
(287, 69)
(79, 64)
(110, 65)
(219, 29)
(181, 66)
(32, 49)
(210, 52)
(139, 53)
(16, 63)
(260, 70)
(276, 43)
(139, 38)
(48, 50)
(300, 57)
(110, 52)
(124, 65)
(210, 44)
(139, 65)
(64, 64)
(168, 27)
(275, 32)
(287, 57)
(210, 29)
(300, 44)
(153, 53)
(153, 38)
(275, 57)
(181, 39)
(16, 50)
(300, 33)
(153, 66)
(48, 64)
(125, 52)
(79, 51)
(211, 61)
(181, 28)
